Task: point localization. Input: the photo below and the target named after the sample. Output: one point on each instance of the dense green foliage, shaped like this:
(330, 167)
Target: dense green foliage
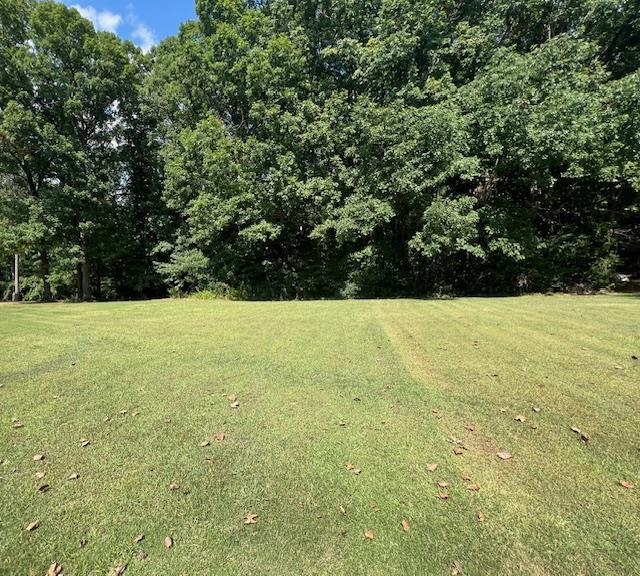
(311, 148)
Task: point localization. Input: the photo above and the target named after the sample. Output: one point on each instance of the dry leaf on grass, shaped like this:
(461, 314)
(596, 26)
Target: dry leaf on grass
(40, 475)
(576, 430)
(219, 437)
(471, 428)
(504, 455)
(405, 526)
(139, 538)
(458, 451)
(232, 397)
(368, 534)
(74, 477)
(443, 484)
(466, 477)
(38, 457)
(235, 404)
(350, 466)
(250, 518)
(481, 517)
(432, 467)
(84, 443)
(54, 570)
(33, 526)
(521, 418)
(456, 569)
(142, 555)
(173, 486)
(205, 443)
(626, 484)
(536, 409)
(16, 424)
(343, 511)
(442, 496)
(44, 488)
(118, 570)
(473, 488)
(168, 542)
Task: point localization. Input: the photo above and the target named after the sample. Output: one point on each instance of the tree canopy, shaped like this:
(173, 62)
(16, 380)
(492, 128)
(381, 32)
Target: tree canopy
(323, 148)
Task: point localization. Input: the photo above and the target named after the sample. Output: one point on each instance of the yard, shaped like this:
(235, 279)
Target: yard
(207, 437)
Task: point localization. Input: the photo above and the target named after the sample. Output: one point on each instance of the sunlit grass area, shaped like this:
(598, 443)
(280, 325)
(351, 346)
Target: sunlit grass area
(325, 420)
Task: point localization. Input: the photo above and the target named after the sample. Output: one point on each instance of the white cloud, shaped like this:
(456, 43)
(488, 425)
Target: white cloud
(105, 20)
(144, 35)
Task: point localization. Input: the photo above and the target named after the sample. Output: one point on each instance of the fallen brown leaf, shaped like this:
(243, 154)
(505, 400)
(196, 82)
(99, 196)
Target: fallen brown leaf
(368, 534)
(139, 538)
(74, 477)
(250, 518)
(442, 496)
(219, 437)
(626, 484)
(536, 409)
(118, 570)
(232, 397)
(473, 488)
(405, 526)
(504, 455)
(235, 404)
(40, 475)
(432, 467)
(124, 412)
(167, 420)
(350, 466)
(33, 526)
(38, 458)
(54, 570)
(576, 430)
(521, 418)
(84, 443)
(168, 542)
(466, 477)
(481, 517)
(83, 543)
(343, 511)
(16, 424)
(456, 569)
(173, 486)
(136, 413)
(443, 484)
(106, 419)
(357, 471)
(458, 451)
(142, 555)
(205, 443)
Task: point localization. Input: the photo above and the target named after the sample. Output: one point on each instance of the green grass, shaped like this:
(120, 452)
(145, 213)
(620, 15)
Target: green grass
(299, 370)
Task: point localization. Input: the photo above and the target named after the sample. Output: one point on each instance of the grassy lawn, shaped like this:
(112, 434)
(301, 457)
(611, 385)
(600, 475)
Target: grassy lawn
(387, 386)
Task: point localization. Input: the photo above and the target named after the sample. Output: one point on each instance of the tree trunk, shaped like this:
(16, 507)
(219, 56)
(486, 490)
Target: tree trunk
(16, 278)
(86, 288)
(44, 274)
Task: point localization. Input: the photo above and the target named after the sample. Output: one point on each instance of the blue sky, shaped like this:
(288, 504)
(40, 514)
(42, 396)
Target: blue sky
(145, 22)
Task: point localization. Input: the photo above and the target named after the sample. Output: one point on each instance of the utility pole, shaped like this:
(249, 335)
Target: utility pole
(16, 278)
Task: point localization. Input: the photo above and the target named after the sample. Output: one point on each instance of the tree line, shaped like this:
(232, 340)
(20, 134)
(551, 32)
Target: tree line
(322, 148)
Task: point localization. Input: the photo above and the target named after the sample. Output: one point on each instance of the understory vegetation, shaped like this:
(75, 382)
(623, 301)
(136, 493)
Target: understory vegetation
(322, 148)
